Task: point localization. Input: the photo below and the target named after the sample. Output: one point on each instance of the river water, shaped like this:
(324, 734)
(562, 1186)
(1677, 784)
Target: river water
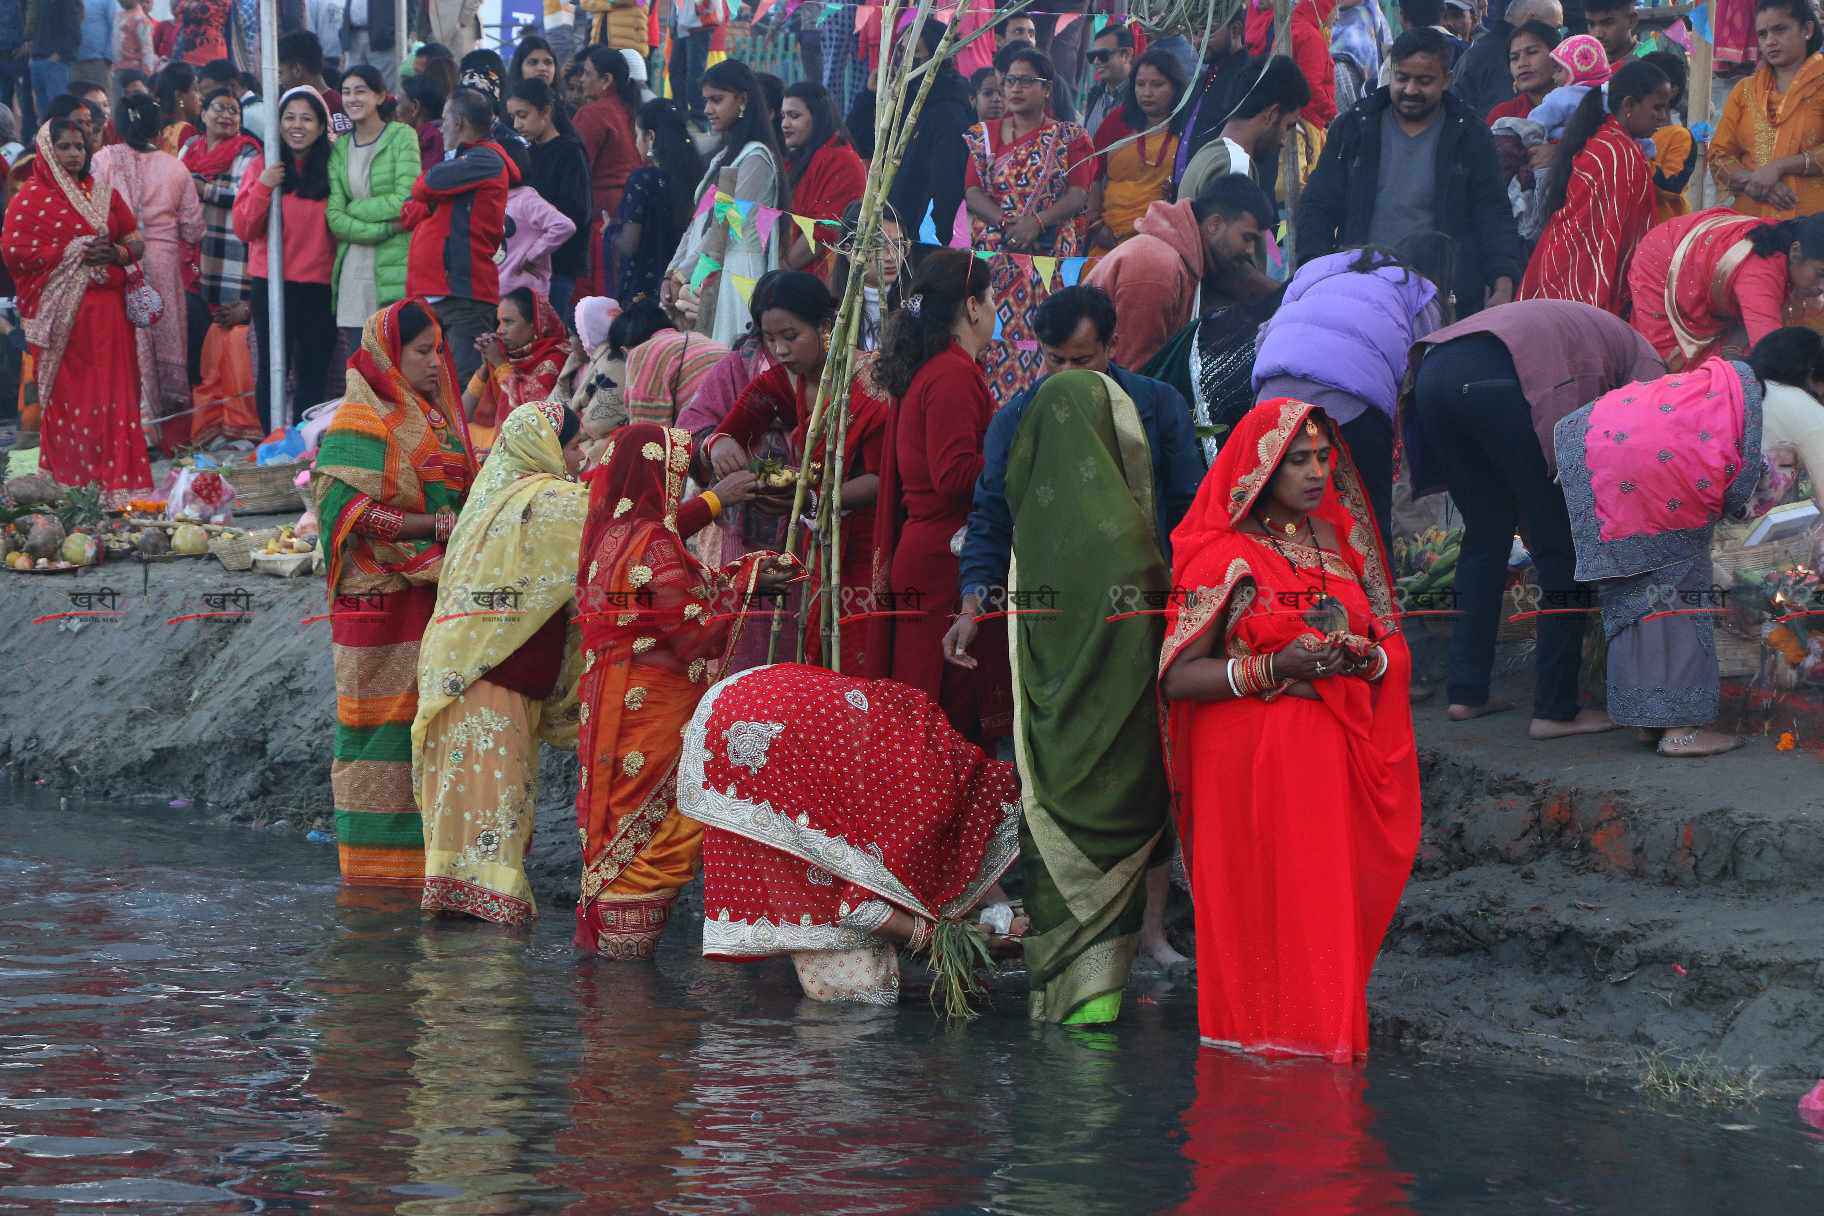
(193, 1020)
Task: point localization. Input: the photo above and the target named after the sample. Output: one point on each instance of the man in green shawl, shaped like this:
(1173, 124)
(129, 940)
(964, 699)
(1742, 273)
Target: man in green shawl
(1086, 726)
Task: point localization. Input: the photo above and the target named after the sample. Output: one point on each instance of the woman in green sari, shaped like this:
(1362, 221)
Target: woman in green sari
(1086, 722)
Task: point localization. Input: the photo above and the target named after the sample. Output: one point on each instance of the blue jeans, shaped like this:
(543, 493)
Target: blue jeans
(49, 78)
(689, 60)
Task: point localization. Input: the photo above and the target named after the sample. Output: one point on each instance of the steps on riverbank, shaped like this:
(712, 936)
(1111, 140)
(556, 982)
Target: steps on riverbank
(1585, 900)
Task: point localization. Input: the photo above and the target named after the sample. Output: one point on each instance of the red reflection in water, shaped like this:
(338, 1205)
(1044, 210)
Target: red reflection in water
(1286, 1136)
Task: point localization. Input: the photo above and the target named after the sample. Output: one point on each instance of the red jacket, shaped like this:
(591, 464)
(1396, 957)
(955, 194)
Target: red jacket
(606, 131)
(457, 216)
(1310, 50)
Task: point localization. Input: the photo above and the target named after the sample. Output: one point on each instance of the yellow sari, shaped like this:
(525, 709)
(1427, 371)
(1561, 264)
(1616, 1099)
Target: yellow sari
(509, 570)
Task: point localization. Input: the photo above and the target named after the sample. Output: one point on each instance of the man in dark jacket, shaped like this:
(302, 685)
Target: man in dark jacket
(457, 216)
(930, 178)
(1442, 175)
(1483, 80)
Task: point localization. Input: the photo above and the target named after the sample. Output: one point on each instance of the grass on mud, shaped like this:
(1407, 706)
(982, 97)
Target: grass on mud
(1700, 1079)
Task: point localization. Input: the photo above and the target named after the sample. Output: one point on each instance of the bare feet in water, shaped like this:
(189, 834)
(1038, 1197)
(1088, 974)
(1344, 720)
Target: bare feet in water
(1466, 713)
(1695, 741)
(1161, 952)
(1587, 722)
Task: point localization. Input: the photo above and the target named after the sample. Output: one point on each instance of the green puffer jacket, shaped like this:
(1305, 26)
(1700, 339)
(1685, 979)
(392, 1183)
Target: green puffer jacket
(374, 220)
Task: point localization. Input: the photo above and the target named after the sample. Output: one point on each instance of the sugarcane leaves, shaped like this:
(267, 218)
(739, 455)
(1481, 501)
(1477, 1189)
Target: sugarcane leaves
(959, 958)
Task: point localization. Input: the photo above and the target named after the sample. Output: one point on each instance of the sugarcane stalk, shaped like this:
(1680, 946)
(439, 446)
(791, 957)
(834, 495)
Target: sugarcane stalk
(833, 461)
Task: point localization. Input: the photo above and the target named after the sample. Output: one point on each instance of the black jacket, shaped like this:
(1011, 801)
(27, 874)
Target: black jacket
(931, 175)
(1482, 79)
(560, 173)
(56, 29)
(1471, 205)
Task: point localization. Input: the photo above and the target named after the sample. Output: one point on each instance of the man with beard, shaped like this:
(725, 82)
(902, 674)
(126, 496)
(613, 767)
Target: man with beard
(1211, 242)
(1441, 174)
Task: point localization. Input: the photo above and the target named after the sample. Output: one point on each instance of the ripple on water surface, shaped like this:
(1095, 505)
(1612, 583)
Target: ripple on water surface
(194, 1021)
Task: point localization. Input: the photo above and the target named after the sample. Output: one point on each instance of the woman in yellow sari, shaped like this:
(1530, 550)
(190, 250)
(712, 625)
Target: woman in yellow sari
(497, 669)
(1769, 145)
(656, 625)
(1136, 174)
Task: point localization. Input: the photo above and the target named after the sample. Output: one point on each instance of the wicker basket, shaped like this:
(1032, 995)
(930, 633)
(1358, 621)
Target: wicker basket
(1758, 559)
(234, 552)
(1736, 655)
(265, 489)
(1521, 597)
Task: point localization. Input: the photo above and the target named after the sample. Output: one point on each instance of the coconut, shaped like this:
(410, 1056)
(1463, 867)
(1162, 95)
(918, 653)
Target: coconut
(43, 535)
(79, 549)
(189, 540)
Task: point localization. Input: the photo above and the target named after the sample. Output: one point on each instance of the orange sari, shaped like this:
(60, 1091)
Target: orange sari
(1299, 818)
(1759, 125)
(656, 625)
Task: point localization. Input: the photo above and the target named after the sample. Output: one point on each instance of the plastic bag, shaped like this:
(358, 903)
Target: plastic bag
(290, 446)
(200, 494)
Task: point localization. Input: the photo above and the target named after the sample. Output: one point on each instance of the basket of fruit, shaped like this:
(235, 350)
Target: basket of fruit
(1425, 572)
(284, 554)
(776, 475)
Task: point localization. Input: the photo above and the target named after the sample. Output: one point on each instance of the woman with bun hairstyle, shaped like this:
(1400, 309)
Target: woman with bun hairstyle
(929, 464)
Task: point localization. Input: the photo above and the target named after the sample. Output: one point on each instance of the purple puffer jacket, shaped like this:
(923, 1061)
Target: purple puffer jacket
(1347, 330)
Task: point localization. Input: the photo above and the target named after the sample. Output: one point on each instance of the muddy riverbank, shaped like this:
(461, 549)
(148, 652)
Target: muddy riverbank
(1581, 902)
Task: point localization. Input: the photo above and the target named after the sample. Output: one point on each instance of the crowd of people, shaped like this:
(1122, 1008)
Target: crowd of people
(1117, 474)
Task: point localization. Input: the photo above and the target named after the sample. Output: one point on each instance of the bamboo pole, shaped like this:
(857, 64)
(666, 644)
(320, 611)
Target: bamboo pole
(1698, 99)
(897, 107)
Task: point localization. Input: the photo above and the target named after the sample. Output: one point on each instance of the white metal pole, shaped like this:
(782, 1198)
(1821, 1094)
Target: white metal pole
(402, 38)
(275, 221)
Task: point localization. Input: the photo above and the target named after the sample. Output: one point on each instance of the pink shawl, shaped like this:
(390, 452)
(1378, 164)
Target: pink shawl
(1661, 455)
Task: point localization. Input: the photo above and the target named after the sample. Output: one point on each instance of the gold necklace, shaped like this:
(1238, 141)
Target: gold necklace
(1268, 524)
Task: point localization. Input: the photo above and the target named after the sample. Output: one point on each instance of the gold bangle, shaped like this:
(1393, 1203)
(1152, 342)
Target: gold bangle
(715, 503)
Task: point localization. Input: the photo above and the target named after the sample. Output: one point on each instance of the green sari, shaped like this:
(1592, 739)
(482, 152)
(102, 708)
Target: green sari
(1086, 722)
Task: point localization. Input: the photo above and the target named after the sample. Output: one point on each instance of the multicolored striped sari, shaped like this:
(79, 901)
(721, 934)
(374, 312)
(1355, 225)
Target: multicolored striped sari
(388, 451)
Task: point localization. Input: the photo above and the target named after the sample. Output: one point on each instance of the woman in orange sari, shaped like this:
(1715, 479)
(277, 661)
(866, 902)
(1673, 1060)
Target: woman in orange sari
(796, 311)
(67, 243)
(521, 361)
(655, 624)
(1289, 738)
(1716, 282)
(1768, 149)
(1133, 176)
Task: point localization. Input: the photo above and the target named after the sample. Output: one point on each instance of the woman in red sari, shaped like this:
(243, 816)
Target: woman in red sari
(1599, 196)
(521, 361)
(821, 169)
(842, 818)
(796, 312)
(1028, 184)
(1717, 282)
(66, 245)
(1289, 738)
(933, 456)
(655, 624)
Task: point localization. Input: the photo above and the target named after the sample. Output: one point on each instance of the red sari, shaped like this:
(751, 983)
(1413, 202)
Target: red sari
(1299, 818)
(933, 456)
(529, 374)
(834, 178)
(1608, 207)
(90, 430)
(1698, 284)
(654, 624)
(830, 801)
(778, 397)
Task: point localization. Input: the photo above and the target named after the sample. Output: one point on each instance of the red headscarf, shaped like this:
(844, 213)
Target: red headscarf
(531, 371)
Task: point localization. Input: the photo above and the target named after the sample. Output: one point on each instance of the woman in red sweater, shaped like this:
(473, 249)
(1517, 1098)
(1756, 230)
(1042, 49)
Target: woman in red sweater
(930, 461)
(302, 178)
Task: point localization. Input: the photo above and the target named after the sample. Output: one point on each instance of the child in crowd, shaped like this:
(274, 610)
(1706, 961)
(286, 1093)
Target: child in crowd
(1674, 154)
(1582, 65)
(985, 92)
